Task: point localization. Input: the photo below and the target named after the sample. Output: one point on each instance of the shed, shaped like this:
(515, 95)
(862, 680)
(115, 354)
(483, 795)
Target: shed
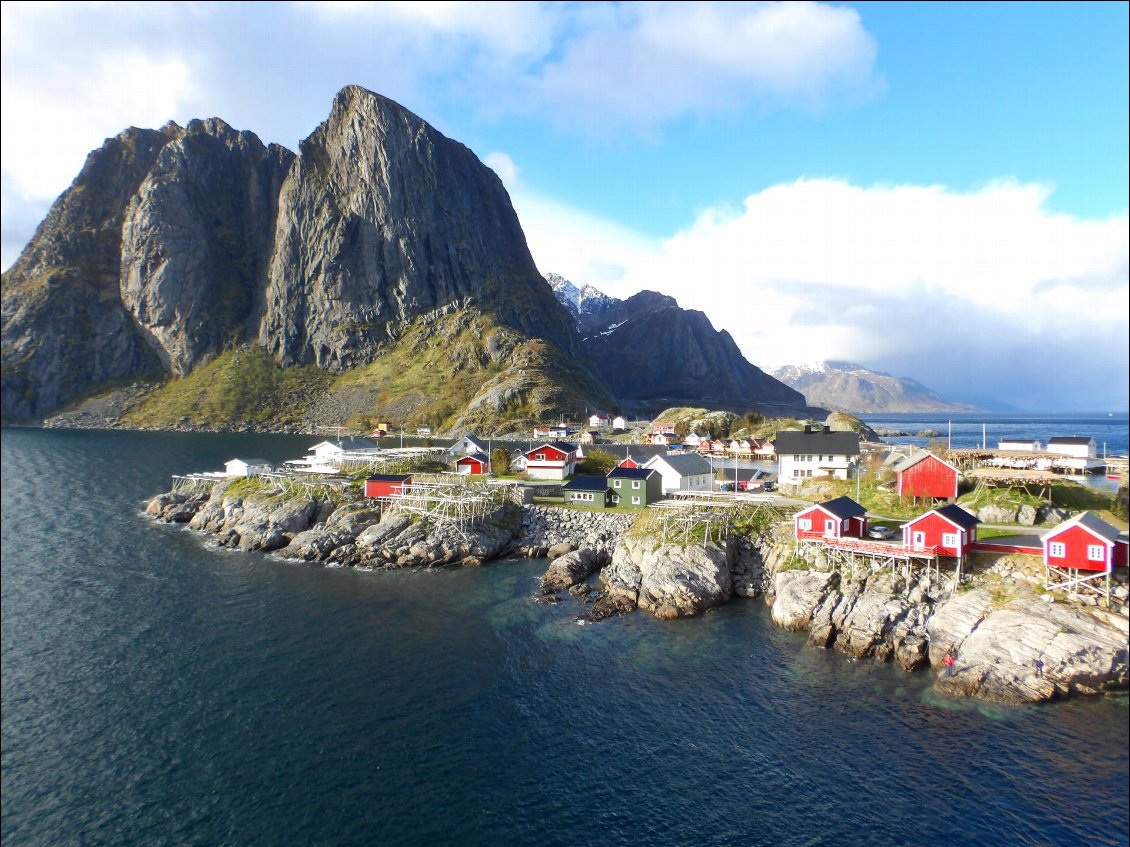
(386, 485)
(246, 467)
(473, 463)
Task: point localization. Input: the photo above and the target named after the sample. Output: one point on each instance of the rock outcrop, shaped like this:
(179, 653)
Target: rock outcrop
(1027, 650)
(667, 580)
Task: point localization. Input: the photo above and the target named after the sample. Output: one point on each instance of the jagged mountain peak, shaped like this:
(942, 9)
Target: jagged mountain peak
(654, 354)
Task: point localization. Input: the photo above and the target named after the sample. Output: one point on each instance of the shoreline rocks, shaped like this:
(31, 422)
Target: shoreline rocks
(1009, 646)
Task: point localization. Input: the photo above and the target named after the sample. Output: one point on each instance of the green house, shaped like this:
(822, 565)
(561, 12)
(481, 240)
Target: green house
(635, 486)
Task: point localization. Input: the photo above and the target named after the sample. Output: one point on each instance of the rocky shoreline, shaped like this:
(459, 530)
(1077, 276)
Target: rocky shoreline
(1010, 643)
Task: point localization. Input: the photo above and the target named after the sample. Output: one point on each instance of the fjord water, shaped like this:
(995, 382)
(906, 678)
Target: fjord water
(157, 690)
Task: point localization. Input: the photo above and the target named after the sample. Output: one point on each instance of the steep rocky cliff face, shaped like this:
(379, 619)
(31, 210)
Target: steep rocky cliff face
(175, 245)
(654, 354)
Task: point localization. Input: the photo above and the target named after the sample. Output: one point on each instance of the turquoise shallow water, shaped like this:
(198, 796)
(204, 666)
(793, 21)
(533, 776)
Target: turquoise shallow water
(157, 690)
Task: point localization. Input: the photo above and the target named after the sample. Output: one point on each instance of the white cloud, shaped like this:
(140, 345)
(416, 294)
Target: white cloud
(957, 289)
(652, 62)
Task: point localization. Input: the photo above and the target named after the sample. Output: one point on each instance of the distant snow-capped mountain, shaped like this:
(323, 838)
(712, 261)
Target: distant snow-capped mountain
(855, 388)
(585, 300)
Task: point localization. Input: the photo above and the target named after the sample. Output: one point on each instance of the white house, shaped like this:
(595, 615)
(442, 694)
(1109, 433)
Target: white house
(330, 456)
(465, 446)
(1027, 445)
(619, 422)
(1078, 452)
(682, 472)
(599, 420)
(246, 467)
(815, 452)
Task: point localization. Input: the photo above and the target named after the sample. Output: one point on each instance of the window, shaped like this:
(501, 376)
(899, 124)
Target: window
(949, 539)
(1096, 553)
(636, 484)
(804, 524)
(539, 457)
(1057, 549)
(615, 483)
(635, 501)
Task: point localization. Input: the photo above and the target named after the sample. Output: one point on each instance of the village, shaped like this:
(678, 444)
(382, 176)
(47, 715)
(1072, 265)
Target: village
(693, 473)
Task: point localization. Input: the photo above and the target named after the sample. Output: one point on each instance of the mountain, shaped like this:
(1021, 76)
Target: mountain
(654, 354)
(382, 244)
(854, 388)
(585, 300)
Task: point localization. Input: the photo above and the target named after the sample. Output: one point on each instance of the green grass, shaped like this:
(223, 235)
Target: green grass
(243, 386)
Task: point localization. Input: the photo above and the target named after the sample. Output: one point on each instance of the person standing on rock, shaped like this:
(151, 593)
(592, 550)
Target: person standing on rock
(948, 662)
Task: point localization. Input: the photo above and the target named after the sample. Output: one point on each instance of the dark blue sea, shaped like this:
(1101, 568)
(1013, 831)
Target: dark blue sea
(969, 428)
(159, 691)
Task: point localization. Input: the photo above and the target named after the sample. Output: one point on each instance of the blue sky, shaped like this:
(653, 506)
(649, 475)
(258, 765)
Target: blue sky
(935, 190)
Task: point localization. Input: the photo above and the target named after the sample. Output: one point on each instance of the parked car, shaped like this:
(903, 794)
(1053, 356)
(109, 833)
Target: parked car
(884, 533)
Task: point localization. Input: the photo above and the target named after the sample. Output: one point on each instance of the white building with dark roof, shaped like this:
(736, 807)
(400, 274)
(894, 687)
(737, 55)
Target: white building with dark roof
(815, 452)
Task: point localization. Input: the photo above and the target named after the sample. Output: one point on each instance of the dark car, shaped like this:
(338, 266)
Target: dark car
(882, 532)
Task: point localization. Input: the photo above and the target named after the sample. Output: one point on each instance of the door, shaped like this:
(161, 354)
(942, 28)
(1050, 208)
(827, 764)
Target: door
(918, 539)
(830, 529)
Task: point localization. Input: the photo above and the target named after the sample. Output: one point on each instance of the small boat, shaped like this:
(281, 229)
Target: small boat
(1114, 476)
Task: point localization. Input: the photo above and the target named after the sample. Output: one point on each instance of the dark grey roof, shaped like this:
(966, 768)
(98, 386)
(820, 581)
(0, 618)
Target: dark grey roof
(1070, 439)
(685, 464)
(740, 474)
(388, 477)
(480, 457)
(843, 508)
(251, 462)
(792, 442)
(631, 473)
(587, 483)
(563, 446)
(956, 514)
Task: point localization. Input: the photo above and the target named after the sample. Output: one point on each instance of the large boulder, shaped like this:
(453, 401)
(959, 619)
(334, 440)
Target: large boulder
(798, 594)
(668, 580)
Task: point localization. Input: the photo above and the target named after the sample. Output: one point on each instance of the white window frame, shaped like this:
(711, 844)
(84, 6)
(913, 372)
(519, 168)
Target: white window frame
(804, 524)
(636, 484)
(1057, 549)
(635, 501)
(1096, 553)
(949, 539)
(615, 483)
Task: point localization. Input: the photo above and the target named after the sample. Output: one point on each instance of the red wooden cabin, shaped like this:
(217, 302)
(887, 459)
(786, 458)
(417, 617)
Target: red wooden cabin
(839, 518)
(948, 530)
(475, 463)
(925, 475)
(1085, 543)
(385, 485)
